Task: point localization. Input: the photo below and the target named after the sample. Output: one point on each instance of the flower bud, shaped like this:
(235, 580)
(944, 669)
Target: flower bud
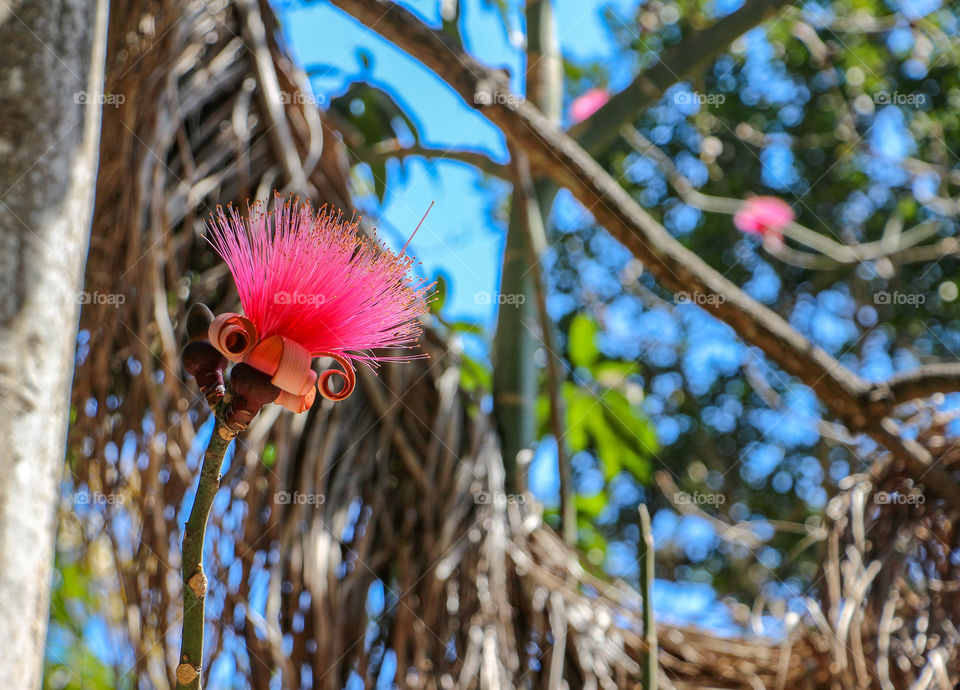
(201, 360)
(198, 322)
(250, 390)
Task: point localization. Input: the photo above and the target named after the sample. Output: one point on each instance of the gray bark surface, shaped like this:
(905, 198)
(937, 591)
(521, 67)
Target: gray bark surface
(51, 75)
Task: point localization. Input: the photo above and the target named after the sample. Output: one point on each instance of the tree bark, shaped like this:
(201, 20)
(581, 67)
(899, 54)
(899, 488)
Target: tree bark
(50, 99)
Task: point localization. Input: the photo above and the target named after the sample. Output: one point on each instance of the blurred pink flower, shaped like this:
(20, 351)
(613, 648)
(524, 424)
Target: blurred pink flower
(312, 278)
(587, 104)
(760, 215)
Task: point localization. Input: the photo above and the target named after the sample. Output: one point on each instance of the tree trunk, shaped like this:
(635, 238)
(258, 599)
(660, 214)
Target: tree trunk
(50, 98)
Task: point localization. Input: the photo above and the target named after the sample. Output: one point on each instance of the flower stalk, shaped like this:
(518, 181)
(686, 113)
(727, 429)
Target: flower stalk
(194, 580)
(310, 286)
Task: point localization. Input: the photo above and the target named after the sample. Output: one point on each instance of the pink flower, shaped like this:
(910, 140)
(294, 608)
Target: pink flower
(587, 104)
(312, 278)
(760, 215)
(311, 285)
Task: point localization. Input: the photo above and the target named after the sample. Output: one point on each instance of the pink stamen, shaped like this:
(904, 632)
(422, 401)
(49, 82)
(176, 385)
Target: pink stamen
(402, 251)
(313, 278)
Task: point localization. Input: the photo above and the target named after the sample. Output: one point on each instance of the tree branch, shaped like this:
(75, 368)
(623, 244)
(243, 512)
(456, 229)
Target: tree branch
(393, 149)
(692, 54)
(923, 382)
(557, 156)
(194, 581)
(554, 154)
(830, 253)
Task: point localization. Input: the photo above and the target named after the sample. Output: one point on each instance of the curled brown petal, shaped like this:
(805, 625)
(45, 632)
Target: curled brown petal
(293, 372)
(348, 375)
(253, 387)
(296, 403)
(234, 335)
(266, 355)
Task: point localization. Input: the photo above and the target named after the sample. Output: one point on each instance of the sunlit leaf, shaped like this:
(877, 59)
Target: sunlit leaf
(583, 341)
(439, 296)
(591, 506)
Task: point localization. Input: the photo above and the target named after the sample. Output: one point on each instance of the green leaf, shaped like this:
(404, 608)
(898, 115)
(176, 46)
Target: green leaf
(612, 373)
(578, 410)
(379, 171)
(637, 465)
(542, 410)
(375, 114)
(591, 506)
(630, 421)
(269, 457)
(636, 438)
(439, 296)
(606, 443)
(474, 375)
(582, 346)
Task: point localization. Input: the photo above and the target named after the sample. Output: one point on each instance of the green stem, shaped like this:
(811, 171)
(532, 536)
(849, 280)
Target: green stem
(194, 581)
